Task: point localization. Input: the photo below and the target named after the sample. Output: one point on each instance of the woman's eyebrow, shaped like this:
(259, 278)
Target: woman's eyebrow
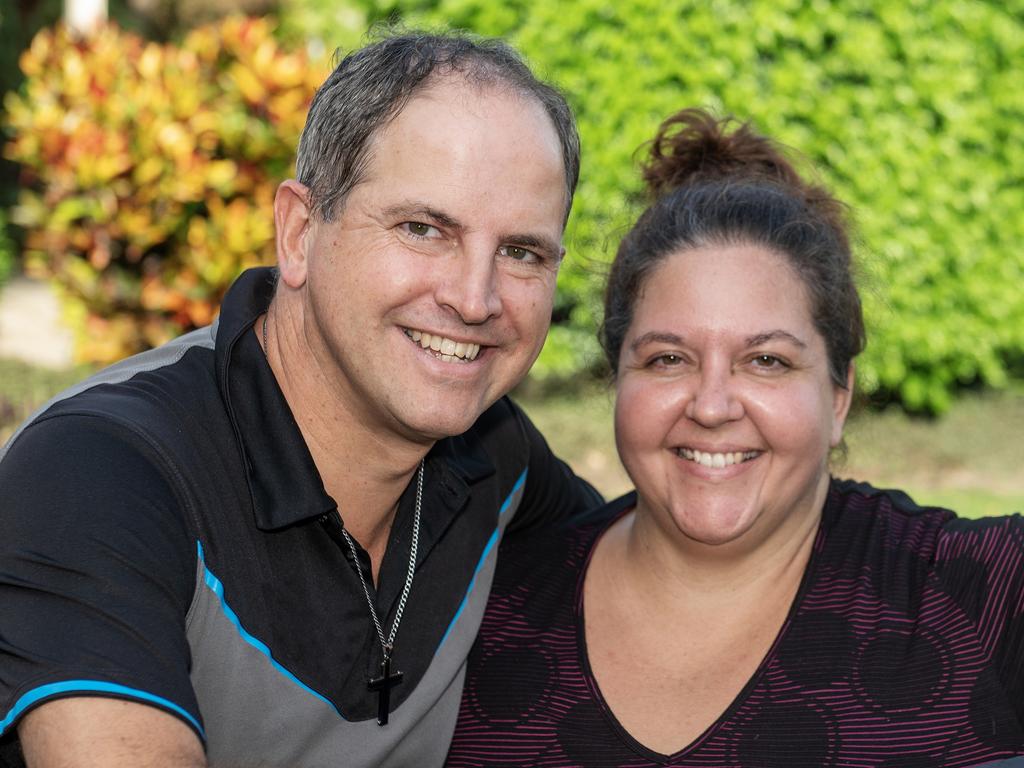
(761, 338)
(665, 337)
(655, 337)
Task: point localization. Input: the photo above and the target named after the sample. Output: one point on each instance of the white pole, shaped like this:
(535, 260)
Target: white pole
(83, 16)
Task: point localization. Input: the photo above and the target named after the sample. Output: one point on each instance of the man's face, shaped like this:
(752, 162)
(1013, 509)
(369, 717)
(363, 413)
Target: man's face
(430, 294)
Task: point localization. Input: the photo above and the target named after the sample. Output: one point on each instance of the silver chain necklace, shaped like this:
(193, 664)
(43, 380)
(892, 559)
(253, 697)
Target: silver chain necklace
(382, 685)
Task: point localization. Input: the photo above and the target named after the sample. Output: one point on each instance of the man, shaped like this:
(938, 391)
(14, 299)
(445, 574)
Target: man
(270, 542)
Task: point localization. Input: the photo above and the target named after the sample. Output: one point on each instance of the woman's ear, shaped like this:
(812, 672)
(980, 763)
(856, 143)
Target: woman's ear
(841, 405)
(292, 220)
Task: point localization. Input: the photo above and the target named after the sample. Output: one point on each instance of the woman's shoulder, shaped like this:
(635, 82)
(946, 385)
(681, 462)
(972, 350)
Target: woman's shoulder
(912, 523)
(854, 496)
(924, 547)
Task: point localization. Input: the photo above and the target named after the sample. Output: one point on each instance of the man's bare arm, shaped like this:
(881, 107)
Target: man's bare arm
(87, 731)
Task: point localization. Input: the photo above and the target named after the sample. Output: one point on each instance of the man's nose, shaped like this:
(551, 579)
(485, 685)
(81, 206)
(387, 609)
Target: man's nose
(714, 400)
(470, 285)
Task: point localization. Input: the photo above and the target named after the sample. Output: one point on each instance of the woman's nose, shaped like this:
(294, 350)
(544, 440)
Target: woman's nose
(714, 400)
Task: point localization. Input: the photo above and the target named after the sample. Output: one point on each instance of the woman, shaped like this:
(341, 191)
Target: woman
(743, 608)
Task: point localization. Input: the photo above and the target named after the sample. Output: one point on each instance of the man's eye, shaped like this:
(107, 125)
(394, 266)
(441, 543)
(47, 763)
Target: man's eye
(419, 229)
(518, 253)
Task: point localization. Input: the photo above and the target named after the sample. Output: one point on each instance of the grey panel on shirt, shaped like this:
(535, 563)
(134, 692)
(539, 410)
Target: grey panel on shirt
(257, 714)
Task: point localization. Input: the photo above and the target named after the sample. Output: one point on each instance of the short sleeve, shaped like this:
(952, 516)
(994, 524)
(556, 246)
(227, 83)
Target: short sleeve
(97, 571)
(980, 564)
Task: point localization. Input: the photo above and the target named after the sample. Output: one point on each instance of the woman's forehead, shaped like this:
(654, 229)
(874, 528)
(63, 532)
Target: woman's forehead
(743, 288)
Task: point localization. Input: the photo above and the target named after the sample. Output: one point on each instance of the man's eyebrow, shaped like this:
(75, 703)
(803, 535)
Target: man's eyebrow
(414, 209)
(778, 334)
(655, 337)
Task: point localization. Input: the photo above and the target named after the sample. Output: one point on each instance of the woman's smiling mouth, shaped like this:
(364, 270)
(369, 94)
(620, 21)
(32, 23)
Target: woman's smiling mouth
(716, 460)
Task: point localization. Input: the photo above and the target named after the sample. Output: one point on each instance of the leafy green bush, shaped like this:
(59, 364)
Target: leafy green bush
(150, 171)
(910, 111)
(6, 251)
(152, 167)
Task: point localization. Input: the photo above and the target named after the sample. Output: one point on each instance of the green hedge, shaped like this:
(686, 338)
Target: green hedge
(910, 111)
(6, 251)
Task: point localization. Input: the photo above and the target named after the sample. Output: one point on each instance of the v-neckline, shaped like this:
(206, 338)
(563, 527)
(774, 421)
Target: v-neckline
(741, 697)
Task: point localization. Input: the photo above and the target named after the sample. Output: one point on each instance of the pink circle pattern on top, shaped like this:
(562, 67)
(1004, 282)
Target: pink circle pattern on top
(902, 648)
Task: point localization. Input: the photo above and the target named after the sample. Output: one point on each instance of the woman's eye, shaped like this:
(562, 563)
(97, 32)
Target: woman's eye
(667, 361)
(768, 362)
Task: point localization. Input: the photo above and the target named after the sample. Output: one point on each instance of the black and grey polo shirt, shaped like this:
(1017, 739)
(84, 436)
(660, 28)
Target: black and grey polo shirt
(165, 538)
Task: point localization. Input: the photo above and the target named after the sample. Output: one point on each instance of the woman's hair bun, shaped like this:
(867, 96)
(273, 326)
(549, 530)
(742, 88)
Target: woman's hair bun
(693, 146)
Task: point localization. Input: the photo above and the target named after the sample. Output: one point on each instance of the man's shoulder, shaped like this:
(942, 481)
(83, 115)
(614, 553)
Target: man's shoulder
(499, 439)
(159, 412)
(502, 419)
(563, 547)
(147, 394)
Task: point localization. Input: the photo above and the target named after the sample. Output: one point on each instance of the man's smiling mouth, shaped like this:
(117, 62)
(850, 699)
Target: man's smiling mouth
(716, 460)
(445, 349)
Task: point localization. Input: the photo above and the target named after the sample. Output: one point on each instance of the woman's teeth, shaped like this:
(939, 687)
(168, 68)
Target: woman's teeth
(716, 460)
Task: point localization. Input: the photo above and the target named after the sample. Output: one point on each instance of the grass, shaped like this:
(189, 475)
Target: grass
(23, 388)
(971, 460)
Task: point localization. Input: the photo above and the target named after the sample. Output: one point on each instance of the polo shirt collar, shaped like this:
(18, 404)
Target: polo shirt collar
(284, 483)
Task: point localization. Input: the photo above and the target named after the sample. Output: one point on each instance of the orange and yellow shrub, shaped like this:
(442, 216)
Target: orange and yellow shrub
(149, 171)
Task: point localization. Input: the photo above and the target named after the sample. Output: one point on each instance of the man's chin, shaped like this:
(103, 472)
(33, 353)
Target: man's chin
(450, 408)
(440, 423)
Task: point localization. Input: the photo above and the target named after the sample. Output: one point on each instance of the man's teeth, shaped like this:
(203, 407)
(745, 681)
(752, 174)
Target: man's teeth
(447, 350)
(716, 460)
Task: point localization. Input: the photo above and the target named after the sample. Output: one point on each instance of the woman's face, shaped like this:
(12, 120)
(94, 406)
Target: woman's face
(725, 411)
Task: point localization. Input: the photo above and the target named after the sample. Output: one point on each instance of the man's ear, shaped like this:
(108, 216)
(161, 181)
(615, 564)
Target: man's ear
(292, 221)
(841, 405)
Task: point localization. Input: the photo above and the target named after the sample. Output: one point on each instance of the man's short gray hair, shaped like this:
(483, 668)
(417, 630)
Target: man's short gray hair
(371, 86)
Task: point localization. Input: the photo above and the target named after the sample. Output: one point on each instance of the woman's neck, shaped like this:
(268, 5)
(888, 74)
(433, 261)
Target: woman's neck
(657, 556)
(694, 620)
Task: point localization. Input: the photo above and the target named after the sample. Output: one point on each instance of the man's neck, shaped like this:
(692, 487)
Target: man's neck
(364, 467)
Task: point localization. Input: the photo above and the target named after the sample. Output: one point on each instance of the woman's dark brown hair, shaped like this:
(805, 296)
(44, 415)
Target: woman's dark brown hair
(715, 182)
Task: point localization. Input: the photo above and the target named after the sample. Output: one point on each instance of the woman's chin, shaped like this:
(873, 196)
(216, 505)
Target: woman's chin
(736, 525)
(713, 525)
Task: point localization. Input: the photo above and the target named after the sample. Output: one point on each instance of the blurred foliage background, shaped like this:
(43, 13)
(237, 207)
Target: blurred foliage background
(147, 156)
(149, 171)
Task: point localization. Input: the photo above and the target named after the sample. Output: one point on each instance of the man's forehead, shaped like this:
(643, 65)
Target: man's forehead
(461, 88)
(443, 111)
(455, 93)
(456, 136)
